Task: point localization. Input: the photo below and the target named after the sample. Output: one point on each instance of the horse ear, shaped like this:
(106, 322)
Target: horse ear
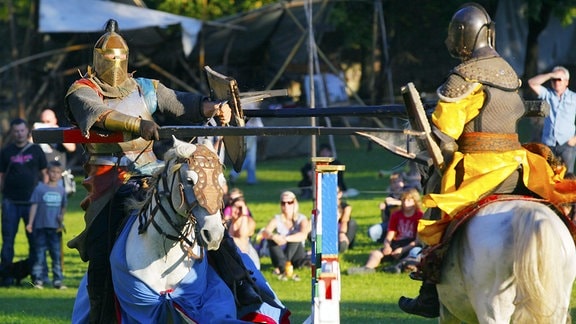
(183, 149)
(206, 142)
(209, 145)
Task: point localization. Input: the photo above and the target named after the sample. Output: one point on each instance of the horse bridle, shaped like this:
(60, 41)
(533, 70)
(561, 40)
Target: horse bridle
(186, 195)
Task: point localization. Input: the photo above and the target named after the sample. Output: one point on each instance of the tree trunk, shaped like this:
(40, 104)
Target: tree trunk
(535, 27)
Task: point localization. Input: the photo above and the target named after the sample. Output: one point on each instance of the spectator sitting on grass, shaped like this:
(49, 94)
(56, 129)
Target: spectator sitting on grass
(242, 227)
(390, 204)
(286, 234)
(347, 226)
(401, 235)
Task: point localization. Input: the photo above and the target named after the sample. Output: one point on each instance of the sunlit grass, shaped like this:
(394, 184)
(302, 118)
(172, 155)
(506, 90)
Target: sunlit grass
(365, 299)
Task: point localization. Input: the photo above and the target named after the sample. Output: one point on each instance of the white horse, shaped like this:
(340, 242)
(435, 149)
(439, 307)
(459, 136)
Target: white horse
(159, 269)
(515, 261)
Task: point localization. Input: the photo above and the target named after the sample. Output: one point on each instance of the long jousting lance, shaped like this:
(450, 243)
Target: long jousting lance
(74, 134)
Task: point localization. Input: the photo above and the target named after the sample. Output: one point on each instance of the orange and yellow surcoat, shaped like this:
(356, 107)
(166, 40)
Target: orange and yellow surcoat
(485, 170)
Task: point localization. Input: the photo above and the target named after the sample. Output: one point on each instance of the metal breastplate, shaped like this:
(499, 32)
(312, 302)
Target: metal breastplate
(139, 149)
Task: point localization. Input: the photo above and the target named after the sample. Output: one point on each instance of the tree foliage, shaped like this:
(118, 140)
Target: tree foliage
(538, 13)
(207, 9)
(538, 10)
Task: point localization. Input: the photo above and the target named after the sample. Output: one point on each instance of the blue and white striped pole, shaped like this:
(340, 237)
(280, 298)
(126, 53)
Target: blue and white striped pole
(325, 264)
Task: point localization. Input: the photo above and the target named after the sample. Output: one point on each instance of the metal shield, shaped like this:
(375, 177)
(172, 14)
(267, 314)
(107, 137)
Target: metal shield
(226, 88)
(420, 123)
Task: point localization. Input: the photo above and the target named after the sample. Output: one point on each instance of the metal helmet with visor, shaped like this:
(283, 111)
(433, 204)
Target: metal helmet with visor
(470, 29)
(111, 56)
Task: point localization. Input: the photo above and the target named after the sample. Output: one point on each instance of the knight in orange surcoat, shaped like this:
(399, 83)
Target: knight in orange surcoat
(475, 122)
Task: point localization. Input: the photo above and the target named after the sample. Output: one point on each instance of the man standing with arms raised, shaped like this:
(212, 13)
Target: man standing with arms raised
(559, 132)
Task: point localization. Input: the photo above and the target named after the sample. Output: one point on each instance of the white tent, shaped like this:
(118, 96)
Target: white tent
(57, 16)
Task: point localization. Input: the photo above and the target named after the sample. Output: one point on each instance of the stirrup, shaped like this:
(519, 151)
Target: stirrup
(415, 306)
(417, 275)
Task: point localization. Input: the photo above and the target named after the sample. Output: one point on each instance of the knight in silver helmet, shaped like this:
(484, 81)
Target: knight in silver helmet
(108, 97)
(470, 30)
(475, 124)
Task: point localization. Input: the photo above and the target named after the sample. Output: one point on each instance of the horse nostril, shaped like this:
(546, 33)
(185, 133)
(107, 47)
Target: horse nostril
(206, 235)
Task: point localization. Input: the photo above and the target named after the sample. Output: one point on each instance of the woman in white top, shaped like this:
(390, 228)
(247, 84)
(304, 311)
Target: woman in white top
(286, 234)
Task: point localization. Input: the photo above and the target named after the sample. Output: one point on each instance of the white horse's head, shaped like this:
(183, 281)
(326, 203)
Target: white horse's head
(201, 191)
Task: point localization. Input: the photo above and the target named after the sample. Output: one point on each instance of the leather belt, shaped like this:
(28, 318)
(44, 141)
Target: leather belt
(488, 142)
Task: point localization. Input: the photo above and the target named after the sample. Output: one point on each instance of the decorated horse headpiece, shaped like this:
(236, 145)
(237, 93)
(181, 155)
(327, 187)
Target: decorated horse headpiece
(203, 166)
(207, 166)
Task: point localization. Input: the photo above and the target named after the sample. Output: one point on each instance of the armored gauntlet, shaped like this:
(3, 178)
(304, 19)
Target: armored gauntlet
(117, 121)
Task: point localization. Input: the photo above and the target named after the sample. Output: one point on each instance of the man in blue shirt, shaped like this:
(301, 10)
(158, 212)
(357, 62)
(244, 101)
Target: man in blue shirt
(559, 132)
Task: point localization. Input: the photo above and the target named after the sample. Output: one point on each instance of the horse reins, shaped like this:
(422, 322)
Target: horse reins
(157, 196)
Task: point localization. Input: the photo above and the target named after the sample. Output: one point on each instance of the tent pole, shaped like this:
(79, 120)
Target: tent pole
(380, 12)
(14, 54)
(373, 58)
(294, 50)
(287, 61)
(311, 85)
(16, 63)
(143, 60)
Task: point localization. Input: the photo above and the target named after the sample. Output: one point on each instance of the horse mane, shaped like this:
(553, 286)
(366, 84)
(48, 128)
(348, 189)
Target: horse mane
(170, 154)
(134, 203)
(138, 204)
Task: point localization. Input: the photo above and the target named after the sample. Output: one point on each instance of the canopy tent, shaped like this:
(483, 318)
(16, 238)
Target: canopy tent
(269, 49)
(267, 43)
(56, 16)
(263, 42)
(159, 43)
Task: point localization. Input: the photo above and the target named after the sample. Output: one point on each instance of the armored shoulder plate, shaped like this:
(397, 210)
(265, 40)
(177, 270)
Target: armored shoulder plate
(492, 71)
(455, 88)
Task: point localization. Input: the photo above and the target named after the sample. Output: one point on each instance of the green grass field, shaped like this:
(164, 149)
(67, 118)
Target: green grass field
(365, 299)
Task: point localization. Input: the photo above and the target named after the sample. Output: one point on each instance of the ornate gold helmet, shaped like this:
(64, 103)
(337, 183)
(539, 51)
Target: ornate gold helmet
(470, 29)
(111, 56)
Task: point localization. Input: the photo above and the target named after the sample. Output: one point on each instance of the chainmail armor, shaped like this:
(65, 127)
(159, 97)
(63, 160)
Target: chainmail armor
(491, 71)
(500, 113)
(502, 107)
(455, 88)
